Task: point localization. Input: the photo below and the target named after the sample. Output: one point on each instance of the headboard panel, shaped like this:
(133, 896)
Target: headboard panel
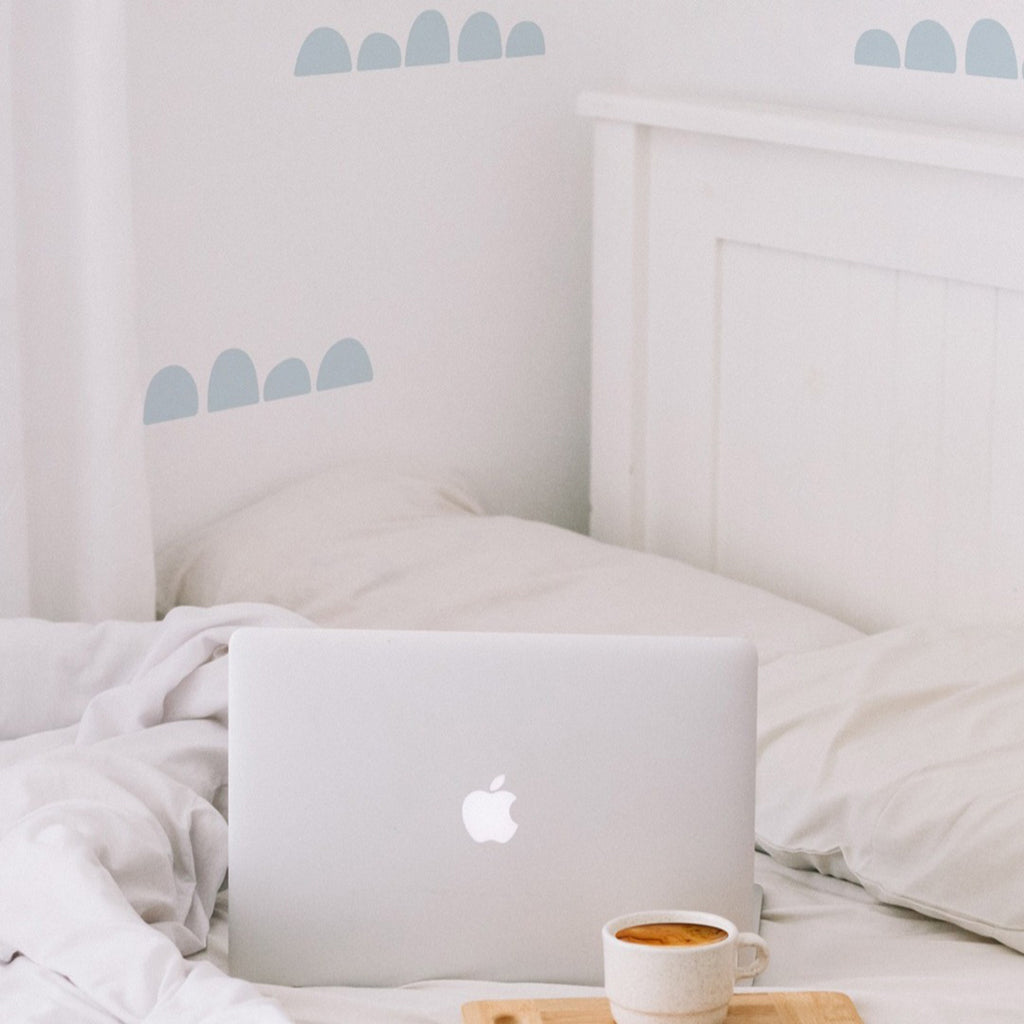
(808, 353)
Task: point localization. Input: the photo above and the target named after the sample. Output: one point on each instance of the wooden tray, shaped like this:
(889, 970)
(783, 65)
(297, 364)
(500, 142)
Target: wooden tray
(745, 1008)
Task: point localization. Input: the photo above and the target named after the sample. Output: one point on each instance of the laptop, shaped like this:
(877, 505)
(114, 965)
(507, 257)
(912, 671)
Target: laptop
(415, 805)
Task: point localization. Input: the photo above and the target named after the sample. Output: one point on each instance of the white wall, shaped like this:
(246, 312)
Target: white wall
(802, 52)
(437, 214)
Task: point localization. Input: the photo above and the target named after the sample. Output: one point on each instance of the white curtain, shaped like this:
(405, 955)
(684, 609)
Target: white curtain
(75, 536)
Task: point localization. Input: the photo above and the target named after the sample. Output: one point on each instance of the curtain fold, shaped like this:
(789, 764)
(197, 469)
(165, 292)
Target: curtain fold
(75, 534)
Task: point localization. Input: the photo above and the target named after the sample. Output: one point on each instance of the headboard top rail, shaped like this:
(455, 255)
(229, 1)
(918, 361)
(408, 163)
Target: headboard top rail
(915, 142)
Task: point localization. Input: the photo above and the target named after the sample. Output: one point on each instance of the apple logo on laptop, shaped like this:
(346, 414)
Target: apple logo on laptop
(486, 814)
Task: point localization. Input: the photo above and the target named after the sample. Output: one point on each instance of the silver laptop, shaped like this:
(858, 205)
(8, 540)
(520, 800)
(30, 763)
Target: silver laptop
(413, 805)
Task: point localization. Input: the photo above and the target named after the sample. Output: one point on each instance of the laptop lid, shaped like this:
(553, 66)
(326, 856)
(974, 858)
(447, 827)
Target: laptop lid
(411, 805)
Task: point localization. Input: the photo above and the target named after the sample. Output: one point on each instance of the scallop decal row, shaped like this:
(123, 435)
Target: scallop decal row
(325, 51)
(173, 393)
(989, 51)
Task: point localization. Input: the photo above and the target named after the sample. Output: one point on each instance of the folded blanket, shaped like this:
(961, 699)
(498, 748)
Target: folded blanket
(113, 835)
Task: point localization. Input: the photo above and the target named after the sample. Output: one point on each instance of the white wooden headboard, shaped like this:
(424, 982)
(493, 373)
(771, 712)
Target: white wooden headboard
(808, 352)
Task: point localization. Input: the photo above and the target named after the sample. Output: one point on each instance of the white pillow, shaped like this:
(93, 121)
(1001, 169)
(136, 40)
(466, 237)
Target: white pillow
(897, 761)
(292, 544)
(382, 549)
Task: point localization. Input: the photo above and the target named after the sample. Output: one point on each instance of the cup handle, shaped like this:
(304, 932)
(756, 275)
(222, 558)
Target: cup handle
(748, 940)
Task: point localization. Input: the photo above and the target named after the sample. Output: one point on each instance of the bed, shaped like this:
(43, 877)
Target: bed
(856, 509)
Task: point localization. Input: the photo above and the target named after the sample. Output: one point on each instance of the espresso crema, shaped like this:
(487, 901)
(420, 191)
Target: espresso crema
(672, 933)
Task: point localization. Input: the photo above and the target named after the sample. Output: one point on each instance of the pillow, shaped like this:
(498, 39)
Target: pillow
(381, 549)
(285, 546)
(897, 761)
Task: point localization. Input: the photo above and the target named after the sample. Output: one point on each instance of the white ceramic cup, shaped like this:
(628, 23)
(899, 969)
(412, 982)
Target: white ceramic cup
(676, 984)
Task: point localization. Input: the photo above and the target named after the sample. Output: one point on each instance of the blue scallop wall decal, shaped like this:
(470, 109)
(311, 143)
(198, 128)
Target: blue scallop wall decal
(930, 48)
(287, 380)
(876, 48)
(172, 395)
(990, 51)
(525, 40)
(480, 38)
(324, 52)
(345, 362)
(428, 41)
(379, 51)
(233, 381)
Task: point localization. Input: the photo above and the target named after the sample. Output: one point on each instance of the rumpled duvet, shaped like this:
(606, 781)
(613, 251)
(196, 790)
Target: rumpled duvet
(113, 830)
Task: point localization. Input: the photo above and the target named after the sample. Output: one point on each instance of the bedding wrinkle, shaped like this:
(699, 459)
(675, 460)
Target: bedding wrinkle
(179, 678)
(960, 824)
(51, 671)
(112, 848)
(896, 761)
(896, 964)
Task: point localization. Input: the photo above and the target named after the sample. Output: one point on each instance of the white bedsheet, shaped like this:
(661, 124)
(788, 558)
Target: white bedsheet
(113, 848)
(898, 966)
(112, 841)
(826, 934)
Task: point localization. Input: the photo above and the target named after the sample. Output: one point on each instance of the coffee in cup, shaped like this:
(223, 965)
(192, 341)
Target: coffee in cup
(672, 933)
(675, 966)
